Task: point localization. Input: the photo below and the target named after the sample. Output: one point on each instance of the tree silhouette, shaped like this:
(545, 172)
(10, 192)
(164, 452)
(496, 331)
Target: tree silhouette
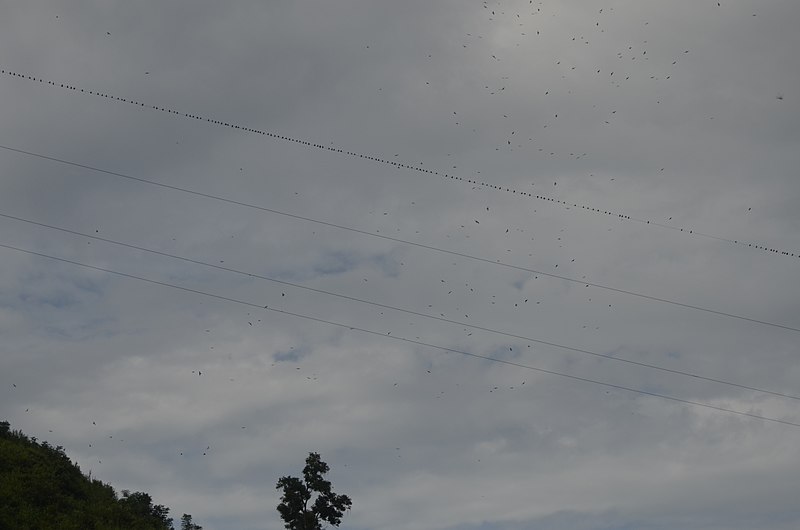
(187, 524)
(327, 507)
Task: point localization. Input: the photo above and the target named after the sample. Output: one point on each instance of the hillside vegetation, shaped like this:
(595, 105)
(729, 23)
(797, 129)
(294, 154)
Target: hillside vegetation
(41, 489)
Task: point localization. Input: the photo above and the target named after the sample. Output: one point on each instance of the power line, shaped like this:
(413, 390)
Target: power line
(400, 165)
(403, 339)
(399, 309)
(403, 241)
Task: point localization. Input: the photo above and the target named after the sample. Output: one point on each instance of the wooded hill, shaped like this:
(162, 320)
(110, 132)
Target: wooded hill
(41, 489)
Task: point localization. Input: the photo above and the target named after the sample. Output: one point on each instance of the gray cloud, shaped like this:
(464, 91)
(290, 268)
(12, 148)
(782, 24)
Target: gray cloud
(419, 437)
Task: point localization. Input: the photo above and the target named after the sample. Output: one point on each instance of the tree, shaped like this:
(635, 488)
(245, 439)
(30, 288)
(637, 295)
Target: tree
(139, 505)
(187, 524)
(327, 507)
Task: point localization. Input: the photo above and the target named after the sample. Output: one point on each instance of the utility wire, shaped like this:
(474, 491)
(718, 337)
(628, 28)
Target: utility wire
(403, 339)
(403, 241)
(399, 309)
(397, 164)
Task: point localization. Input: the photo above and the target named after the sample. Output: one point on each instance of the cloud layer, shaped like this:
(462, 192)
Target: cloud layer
(312, 324)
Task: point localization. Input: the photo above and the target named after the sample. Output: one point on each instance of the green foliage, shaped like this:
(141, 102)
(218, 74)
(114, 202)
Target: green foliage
(327, 507)
(41, 489)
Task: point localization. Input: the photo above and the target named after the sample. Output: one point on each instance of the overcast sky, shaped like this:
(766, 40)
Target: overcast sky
(413, 328)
